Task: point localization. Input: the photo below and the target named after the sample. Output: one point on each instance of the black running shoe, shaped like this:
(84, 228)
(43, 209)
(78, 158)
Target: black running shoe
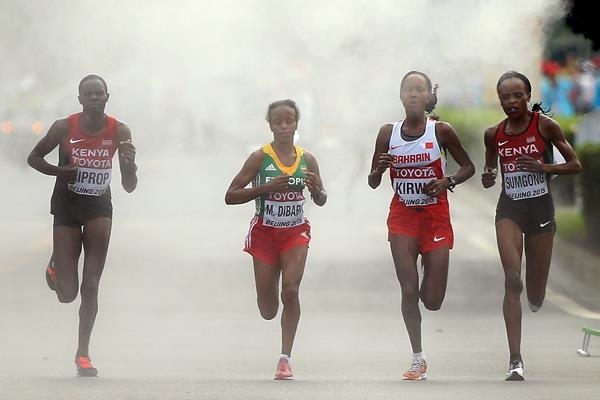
(515, 371)
(84, 367)
(51, 275)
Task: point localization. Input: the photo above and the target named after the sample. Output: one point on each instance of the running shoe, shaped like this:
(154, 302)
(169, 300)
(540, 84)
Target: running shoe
(417, 370)
(284, 370)
(84, 367)
(51, 275)
(515, 371)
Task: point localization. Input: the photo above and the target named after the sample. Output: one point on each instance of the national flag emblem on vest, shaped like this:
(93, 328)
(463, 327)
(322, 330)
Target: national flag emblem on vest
(106, 142)
(427, 145)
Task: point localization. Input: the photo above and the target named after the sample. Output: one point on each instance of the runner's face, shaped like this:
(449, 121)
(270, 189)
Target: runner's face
(93, 96)
(513, 97)
(283, 122)
(415, 93)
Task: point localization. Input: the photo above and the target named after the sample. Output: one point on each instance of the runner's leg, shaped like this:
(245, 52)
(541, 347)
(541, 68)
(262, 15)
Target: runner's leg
(538, 254)
(293, 262)
(435, 278)
(66, 251)
(510, 247)
(266, 278)
(96, 236)
(404, 253)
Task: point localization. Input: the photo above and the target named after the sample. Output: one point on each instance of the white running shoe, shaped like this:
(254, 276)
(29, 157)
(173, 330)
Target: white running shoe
(515, 371)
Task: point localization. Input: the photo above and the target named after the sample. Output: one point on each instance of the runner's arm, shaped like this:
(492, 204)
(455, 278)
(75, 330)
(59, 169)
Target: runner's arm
(450, 141)
(490, 170)
(381, 159)
(56, 134)
(313, 180)
(551, 129)
(127, 163)
(238, 193)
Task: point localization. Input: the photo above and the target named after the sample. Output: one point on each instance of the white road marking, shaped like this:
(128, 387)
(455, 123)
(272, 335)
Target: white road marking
(570, 306)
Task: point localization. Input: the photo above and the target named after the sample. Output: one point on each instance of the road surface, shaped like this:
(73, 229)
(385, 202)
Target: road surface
(178, 318)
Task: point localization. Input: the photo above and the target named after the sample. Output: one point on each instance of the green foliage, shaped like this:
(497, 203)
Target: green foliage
(470, 123)
(589, 155)
(570, 225)
(568, 125)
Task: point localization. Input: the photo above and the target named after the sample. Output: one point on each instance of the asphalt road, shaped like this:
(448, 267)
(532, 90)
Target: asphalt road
(178, 318)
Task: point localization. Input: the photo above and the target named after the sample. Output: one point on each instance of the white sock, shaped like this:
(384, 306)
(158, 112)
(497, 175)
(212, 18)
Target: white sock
(285, 356)
(419, 355)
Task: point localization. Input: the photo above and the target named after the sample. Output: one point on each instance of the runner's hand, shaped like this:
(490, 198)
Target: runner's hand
(313, 183)
(435, 187)
(68, 172)
(384, 162)
(488, 178)
(529, 164)
(127, 151)
(279, 183)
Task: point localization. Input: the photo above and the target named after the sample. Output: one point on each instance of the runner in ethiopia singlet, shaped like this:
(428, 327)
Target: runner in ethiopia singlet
(91, 154)
(416, 162)
(281, 209)
(519, 185)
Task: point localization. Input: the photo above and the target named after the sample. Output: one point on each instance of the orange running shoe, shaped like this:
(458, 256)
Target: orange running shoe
(84, 367)
(417, 370)
(284, 370)
(51, 275)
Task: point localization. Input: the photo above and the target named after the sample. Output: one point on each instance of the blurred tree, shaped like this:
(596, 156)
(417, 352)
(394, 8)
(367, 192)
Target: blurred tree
(582, 18)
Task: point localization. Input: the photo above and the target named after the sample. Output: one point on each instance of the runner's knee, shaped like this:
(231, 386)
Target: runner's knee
(267, 307)
(409, 291)
(67, 295)
(289, 294)
(513, 283)
(432, 303)
(89, 289)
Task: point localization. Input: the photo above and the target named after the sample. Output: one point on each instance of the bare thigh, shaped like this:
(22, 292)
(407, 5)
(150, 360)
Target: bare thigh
(96, 237)
(66, 251)
(435, 277)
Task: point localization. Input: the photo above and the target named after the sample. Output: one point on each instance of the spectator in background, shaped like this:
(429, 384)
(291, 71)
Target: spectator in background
(548, 83)
(584, 89)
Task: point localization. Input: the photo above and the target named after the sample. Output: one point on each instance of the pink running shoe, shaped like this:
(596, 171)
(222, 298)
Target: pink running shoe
(417, 370)
(84, 367)
(51, 275)
(284, 370)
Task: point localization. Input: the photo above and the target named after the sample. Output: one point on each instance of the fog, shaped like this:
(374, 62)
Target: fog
(196, 76)
(193, 80)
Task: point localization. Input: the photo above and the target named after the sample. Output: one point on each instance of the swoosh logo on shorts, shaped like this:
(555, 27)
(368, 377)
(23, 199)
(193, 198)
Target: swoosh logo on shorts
(437, 239)
(545, 223)
(72, 141)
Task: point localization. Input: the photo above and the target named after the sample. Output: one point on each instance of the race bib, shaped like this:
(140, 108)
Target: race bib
(411, 192)
(284, 210)
(91, 182)
(525, 185)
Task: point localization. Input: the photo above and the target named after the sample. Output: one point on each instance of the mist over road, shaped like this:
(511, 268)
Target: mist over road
(178, 317)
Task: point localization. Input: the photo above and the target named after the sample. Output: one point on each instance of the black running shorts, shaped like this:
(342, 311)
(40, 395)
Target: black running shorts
(74, 210)
(533, 216)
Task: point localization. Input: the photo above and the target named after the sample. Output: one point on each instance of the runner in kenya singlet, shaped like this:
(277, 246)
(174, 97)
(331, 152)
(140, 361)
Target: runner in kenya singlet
(519, 185)
(281, 209)
(92, 154)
